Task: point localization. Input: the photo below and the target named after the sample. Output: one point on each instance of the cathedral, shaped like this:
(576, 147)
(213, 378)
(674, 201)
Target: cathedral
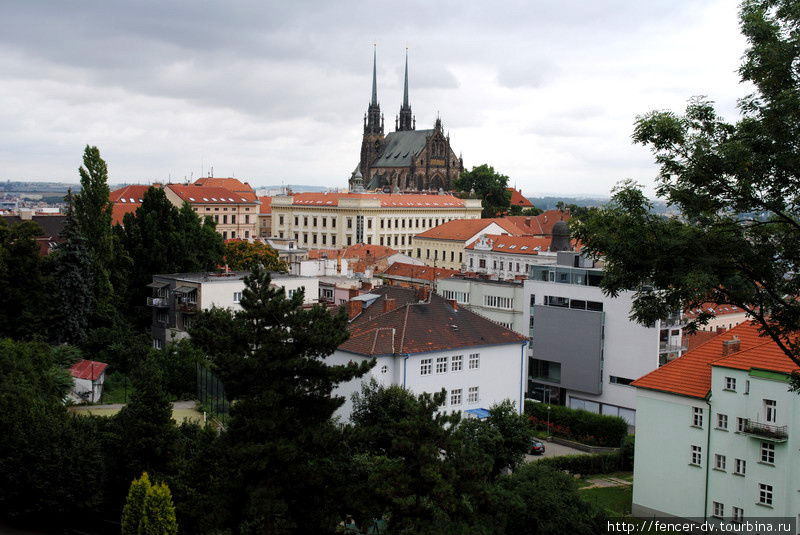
(406, 159)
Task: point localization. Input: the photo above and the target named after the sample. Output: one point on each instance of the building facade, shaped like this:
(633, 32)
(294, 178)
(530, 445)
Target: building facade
(334, 220)
(265, 217)
(236, 216)
(732, 426)
(507, 257)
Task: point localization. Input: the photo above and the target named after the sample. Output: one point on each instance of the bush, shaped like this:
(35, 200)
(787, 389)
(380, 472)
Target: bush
(599, 463)
(579, 425)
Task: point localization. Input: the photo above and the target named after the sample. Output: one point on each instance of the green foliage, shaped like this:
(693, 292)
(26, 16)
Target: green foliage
(490, 186)
(178, 365)
(92, 209)
(518, 210)
(158, 517)
(596, 463)
(133, 511)
(736, 187)
(582, 426)
(72, 268)
(242, 255)
(25, 282)
(515, 433)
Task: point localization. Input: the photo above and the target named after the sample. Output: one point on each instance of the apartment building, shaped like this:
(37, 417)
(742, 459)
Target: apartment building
(507, 257)
(333, 220)
(716, 434)
(427, 344)
(178, 297)
(265, 217)
(502, 302)
(443, 246)
(236, 215)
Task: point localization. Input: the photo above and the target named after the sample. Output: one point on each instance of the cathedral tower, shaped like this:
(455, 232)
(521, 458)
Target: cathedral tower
(406, 120)
(372, 143)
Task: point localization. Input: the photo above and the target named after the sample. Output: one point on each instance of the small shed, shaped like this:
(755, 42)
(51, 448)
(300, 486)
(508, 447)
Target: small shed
(89, 376)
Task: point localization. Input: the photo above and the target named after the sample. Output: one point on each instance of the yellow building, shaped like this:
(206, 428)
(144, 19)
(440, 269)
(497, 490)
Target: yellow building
(235, 214)
(318, 220)
(443, 246)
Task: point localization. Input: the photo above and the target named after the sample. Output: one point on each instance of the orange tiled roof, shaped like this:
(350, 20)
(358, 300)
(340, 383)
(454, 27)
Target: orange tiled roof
(529, 245)
(699, 338)
(360, 251)
(126, 200)
(413, 200)
(195, 194)
(463, 229)
(233, 184)
(539, 225)
(714, 308)
(412, 271)
(517, 199)
(690, 374)
(266, 205)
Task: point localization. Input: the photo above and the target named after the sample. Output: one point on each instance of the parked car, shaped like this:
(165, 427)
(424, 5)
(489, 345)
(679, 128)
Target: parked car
(537, 448)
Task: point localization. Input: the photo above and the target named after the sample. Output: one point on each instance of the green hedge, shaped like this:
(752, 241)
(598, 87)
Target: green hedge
(598, 463)
(579, 425)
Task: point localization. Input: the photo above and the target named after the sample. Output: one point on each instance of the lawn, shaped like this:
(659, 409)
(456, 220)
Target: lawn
(615, 500)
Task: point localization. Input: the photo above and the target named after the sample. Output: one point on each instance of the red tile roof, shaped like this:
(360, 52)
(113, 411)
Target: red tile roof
(690, 374)
(232, 184)
(126, 200)
(539, 225)
(359, 251)
(524, 245)
(87, 369)
(427, 326)
(411, 271)
(386, 199)
(517, 199)
(209, 194)
(266, 205)
(699, 338)
(713, 308)
(464, 229)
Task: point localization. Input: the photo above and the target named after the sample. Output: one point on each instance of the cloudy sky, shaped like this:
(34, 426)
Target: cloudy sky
(275, 91)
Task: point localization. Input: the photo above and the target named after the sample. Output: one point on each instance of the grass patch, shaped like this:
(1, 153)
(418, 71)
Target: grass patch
(179, 415)
(616, 501)
(117, 388)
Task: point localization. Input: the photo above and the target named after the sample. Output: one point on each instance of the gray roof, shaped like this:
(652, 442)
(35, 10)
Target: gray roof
(52, 225)
(402, 147)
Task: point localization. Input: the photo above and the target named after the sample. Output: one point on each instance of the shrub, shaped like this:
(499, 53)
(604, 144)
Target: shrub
(599, 463)
(580, 425)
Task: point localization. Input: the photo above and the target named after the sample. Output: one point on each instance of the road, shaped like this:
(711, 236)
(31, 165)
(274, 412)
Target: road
(554, 450)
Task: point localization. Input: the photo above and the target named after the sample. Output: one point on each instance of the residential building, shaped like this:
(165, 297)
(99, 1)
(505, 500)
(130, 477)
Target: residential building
(334, 220)
(502, 301)
(443, 246)
(126, 200)
(338, 290)
(507, 257)
(717, 433)
(265, 217)
(242, 189)
(288, 251)
(585, 349)
(414, 275)
(236, 215)
(725, 316)
(406, 159)
(178, 297)
(428, 344)
(52, 225)
(89, 377)
(518, 199)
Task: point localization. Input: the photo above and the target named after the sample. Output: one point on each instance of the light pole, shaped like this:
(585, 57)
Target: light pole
(548, 421)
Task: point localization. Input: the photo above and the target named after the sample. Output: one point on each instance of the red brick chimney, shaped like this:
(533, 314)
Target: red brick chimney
(389, 304)
(729, 347)
(354, 308)
(366, 286)
(423, 292)
(453, 303)
(352, 292)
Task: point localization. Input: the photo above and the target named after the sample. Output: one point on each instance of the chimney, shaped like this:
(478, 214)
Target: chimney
(453, 303)
(389, 304)
(354, 308)
(156, 184)
(352, 292)
(366, 286)
(528, 221)
(423, 293)
(729, 347)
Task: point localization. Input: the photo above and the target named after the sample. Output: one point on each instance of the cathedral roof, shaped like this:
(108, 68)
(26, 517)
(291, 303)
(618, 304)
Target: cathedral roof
(401, 148)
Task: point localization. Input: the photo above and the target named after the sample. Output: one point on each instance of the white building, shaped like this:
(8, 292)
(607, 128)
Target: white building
(178, 297)
(716, 436)
(585, 349)
(432, 344)
(503, 302)
(88, 377)
(507, 257)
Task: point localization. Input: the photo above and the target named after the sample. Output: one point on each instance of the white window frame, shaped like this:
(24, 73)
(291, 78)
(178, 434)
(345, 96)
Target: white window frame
(740, 467)
(767, 452)
(719, 461)
(455, 397)
(718, 510)
(456, 363)
(765, 495)
(474, 361)
(425, 366)
(737, 514)
(740, 424)
(697, 417)
(237, 297)
(441, 365)
(770, 411)
(473, 395)
(696, 457)
(730, 384)
(722, 421)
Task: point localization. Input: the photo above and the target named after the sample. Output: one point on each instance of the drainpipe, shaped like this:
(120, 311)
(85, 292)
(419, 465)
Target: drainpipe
(522, 378)
(405, 359)
(708, 459)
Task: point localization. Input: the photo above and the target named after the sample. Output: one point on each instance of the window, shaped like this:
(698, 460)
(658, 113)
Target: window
(767, 453)
(455, 396)
(481, 263)
(333, 222)
(296, 221)
(456, 363)
(459, 297)
(233, 218)
(305, 221)
(314, 220)
(764, 494)
(546, 370)
(722, 421)
(233, 234)
(224, 235)
(730, 383)
(157, 343)
(474, 361)
(740, 467)
(770, 411)
(495, 301)
(425, 367)
(280, 220)
(441, 364)
(246, 233)
(384, 368)
(737, 515)
(740, 423)
(719, 510)
(719, 462)
(290, 293)
(324, 222)
(697, 417)
(697, 455)
(619, 380)
(237, 297)
(472, 394)
(349, 222)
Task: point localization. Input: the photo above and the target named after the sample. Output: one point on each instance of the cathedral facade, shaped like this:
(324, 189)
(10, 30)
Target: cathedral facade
(406, 159)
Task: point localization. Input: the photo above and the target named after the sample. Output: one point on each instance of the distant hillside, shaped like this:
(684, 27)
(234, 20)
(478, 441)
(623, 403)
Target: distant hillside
(551, 203)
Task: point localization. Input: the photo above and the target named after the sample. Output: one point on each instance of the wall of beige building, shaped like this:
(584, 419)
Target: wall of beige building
(233, 220)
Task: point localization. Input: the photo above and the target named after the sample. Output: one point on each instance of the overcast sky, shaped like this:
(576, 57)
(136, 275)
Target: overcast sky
(275, 91)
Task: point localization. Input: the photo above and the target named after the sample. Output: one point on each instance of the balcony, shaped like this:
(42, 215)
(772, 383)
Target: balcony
(161, 302)
(187, 307)
(664, 347)
(773, 433)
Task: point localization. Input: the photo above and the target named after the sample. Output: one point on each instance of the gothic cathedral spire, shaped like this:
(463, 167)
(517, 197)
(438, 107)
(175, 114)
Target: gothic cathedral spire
(406, 121)
(374, 124)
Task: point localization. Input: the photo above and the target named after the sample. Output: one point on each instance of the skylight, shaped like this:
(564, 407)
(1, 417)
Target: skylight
(524, 247)
(205, 199)
(231, 199)
(191, 199)
(123, 199)
(214, 199)
(512, 246)
(132, 200)
(501, 245)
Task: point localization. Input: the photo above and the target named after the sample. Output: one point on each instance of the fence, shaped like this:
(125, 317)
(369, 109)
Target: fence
(211, 392)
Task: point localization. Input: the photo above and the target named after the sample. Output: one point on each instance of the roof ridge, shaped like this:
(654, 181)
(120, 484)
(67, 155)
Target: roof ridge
(405, 323)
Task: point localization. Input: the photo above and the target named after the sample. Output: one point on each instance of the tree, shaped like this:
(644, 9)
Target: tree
(271, 358)
(72, 271)
(737, 188)
(92, 209)
(489, 186)
(158, 516)
(530, 211)
(515, 434)
(243, 255)
(134, 505)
